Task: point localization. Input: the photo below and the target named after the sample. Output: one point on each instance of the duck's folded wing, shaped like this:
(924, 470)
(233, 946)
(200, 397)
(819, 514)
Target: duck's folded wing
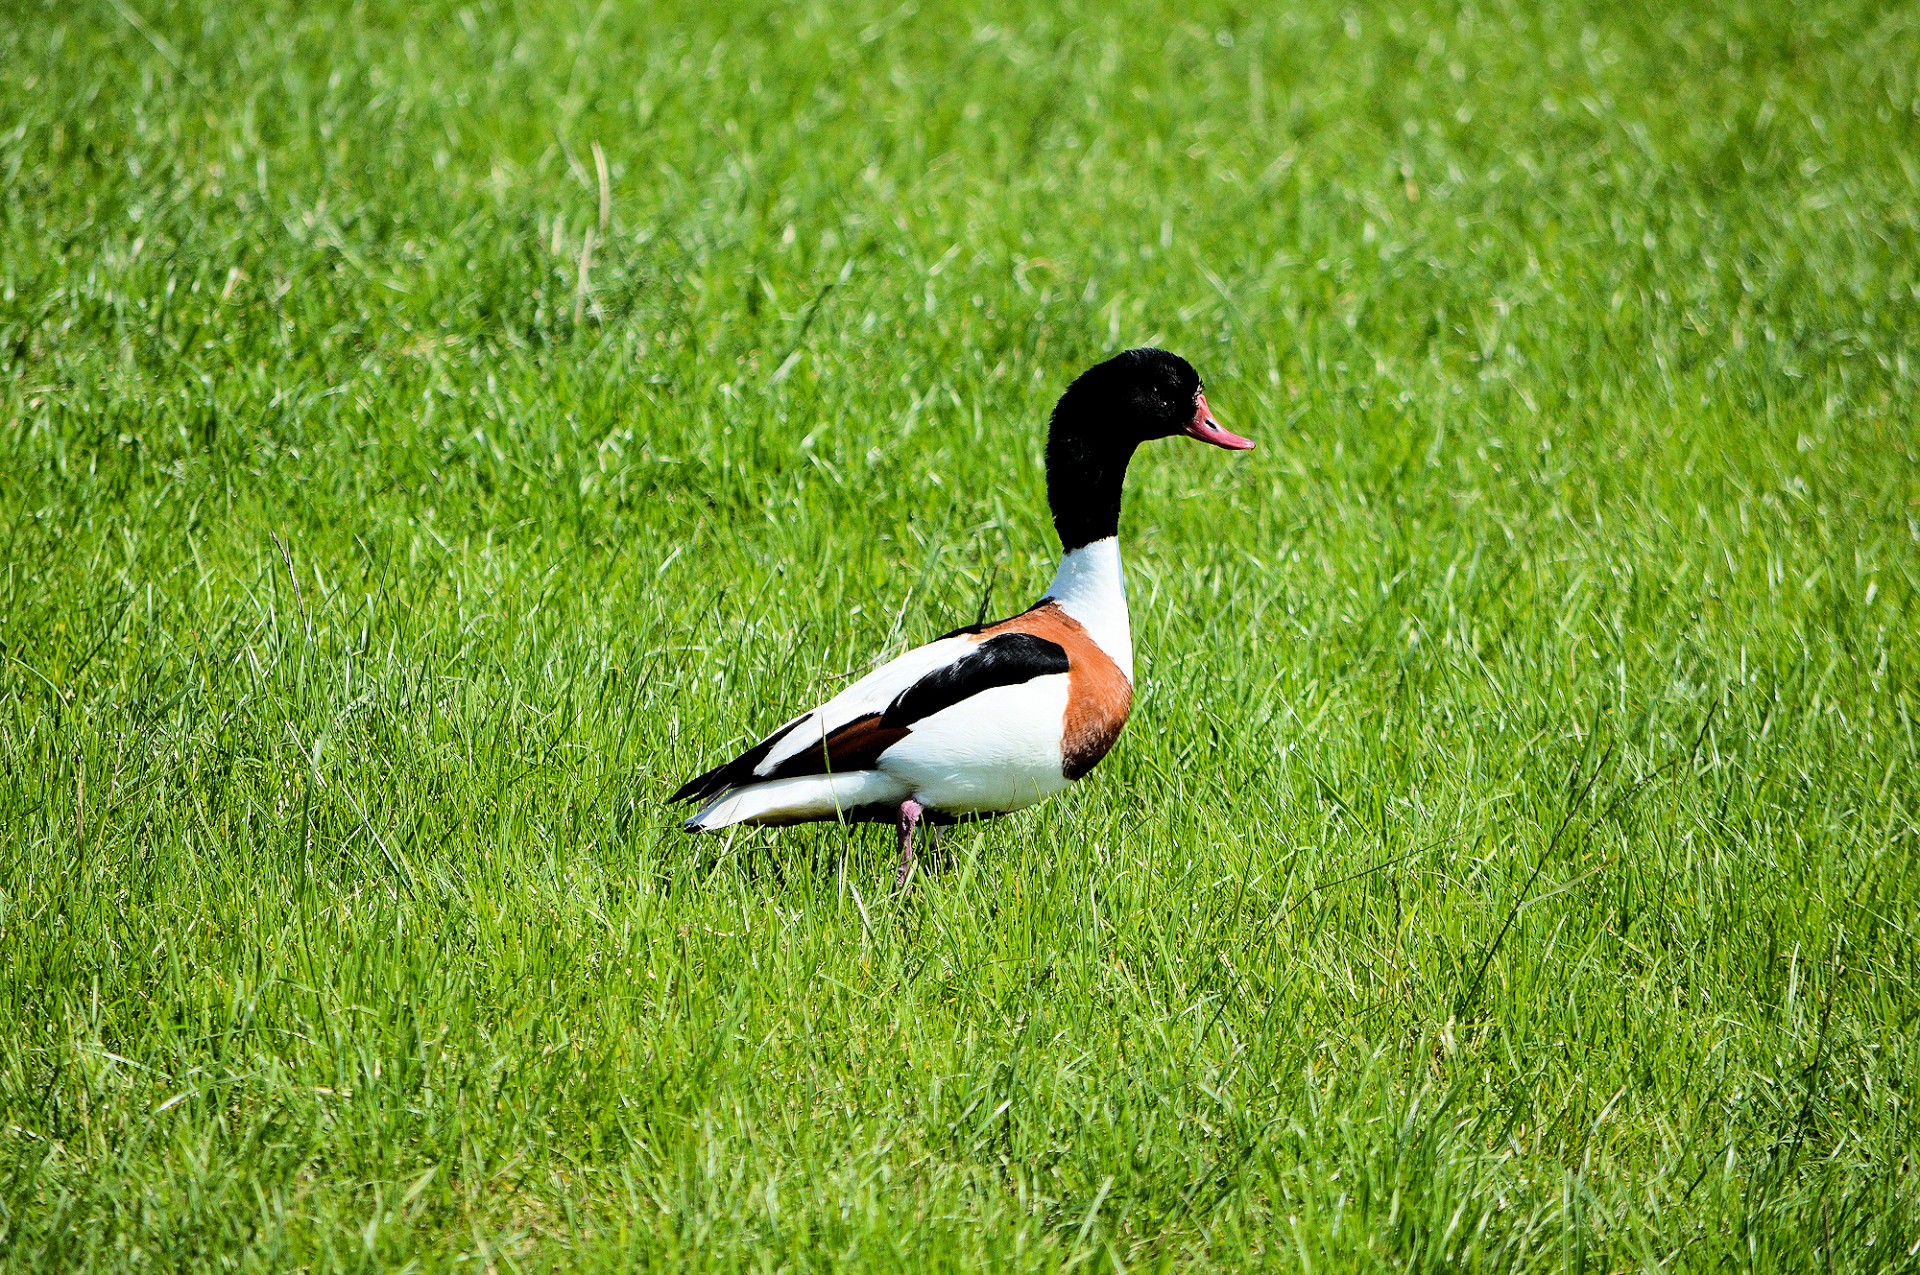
(850, 731)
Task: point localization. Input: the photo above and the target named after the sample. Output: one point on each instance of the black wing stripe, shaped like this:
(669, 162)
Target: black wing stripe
(1006, 660)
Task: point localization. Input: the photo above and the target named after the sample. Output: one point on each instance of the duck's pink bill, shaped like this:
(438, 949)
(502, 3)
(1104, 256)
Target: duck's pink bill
(1208, 430)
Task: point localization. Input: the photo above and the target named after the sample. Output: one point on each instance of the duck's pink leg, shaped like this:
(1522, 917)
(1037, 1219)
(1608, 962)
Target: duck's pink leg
(910, 812)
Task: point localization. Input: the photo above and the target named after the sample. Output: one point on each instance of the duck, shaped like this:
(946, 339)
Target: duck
(991, 718)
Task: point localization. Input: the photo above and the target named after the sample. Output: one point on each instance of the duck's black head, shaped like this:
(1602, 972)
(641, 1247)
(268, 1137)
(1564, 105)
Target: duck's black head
(1107, 412)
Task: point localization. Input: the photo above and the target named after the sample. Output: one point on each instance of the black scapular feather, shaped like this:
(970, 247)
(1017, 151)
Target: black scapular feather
(1006, 660)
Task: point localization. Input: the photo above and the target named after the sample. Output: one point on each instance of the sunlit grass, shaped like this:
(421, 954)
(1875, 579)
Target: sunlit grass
(430, 432)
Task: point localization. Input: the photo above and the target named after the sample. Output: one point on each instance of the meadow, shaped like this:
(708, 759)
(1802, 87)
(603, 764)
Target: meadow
(431, 431)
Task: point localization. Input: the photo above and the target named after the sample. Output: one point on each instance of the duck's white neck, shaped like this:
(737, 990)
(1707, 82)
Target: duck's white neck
(1090, 588)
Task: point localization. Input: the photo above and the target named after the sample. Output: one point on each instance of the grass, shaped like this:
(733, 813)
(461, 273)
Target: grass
(430, 431)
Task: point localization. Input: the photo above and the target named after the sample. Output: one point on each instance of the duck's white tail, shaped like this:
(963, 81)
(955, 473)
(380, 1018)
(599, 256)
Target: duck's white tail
(780, 801)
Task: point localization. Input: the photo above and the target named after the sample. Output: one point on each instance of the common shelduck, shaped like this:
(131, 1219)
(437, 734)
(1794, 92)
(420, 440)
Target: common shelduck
(993, 717)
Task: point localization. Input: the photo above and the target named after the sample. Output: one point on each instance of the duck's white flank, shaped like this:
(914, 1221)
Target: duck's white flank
(1090, 587)
(995, 751)
(802, 798)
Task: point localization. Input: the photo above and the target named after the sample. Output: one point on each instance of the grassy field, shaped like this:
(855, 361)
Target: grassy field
(430, 431)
